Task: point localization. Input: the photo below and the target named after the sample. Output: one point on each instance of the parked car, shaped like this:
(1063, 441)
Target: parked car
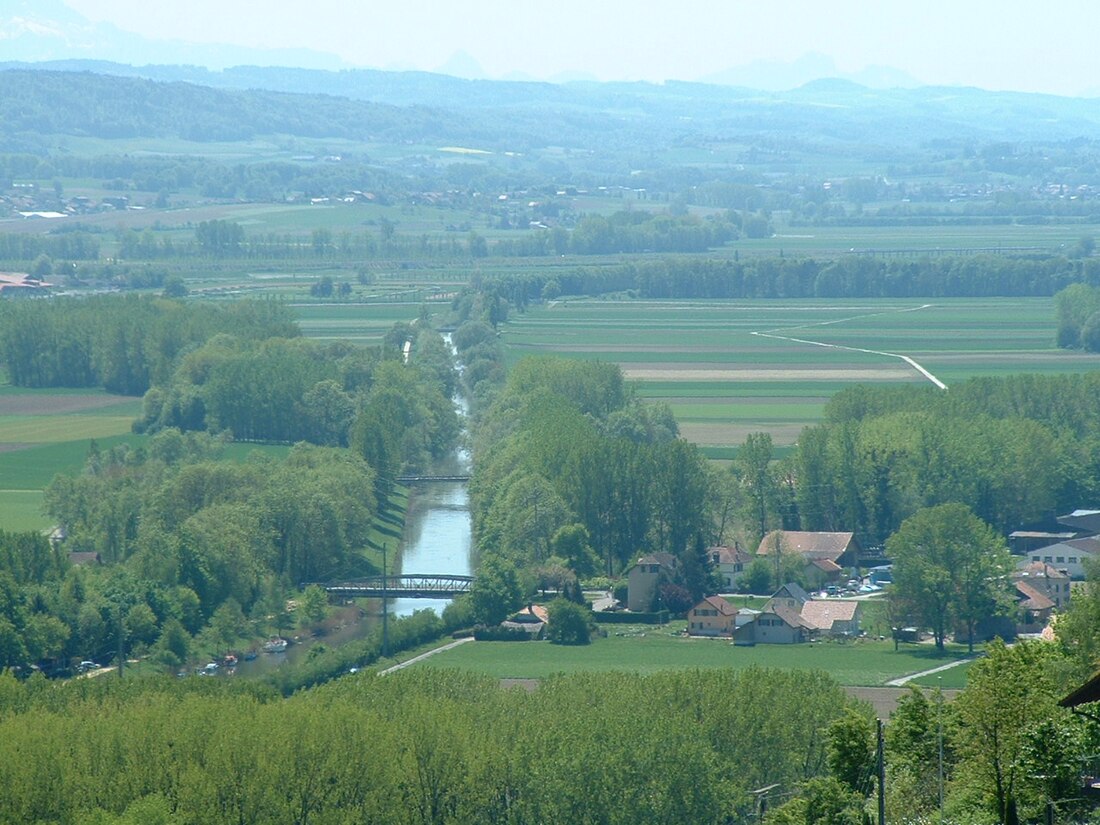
(85, 666)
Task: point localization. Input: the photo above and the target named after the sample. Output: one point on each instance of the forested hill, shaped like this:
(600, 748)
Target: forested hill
(86, 104)
(111, 100)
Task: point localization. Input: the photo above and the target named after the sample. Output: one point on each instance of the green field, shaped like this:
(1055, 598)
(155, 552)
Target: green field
(360, 323)
(650, 649)
(728, 368)
(21, 510)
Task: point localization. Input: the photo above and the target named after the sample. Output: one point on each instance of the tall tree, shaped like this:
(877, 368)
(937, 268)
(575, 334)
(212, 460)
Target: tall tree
(1017, 748)
(950, 567)
(754, 466)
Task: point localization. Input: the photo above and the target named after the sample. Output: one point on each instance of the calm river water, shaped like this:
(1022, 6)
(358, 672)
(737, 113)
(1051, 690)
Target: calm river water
(437, 539)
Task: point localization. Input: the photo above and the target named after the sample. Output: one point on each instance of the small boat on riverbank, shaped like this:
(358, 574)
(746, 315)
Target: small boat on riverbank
(276, 645)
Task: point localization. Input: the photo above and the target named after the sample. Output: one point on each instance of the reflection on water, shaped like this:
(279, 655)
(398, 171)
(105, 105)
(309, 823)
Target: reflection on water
(436, 540)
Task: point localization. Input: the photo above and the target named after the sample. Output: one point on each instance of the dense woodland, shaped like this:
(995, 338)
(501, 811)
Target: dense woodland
(124, 345)
(438, 746)
(852, 276)
(412, 748)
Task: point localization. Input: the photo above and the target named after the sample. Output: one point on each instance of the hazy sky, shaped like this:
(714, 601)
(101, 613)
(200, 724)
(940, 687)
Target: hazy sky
(1023, 45)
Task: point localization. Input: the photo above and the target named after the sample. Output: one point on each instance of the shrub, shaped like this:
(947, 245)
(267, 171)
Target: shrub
(569, 623)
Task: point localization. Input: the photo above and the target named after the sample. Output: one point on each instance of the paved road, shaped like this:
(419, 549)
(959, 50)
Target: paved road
(902, 680)
(604, 602)
(423, 656)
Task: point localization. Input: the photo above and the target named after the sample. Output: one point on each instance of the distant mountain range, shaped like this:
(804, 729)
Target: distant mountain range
(880, 106)
(108, 99)
(36, 31)
(43, 30)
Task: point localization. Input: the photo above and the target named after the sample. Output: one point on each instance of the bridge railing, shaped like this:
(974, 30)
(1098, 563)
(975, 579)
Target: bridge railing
(415, 585)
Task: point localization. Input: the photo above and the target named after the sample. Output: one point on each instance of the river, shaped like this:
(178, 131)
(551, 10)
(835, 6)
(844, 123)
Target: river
(437, 535)
(436, 539)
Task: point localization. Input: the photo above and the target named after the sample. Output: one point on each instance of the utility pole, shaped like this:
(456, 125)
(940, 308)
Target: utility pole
(881, 777)
(939, 737)
(385, 608)
(121, 643)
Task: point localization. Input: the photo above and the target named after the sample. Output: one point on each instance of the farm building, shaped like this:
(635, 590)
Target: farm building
(14, 284)
(833, 617)
(841, 549)
(791, 616)
(776, 624)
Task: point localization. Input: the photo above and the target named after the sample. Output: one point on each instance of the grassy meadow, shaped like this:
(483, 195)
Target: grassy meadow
(639, 649)
(47, 432)
(729, 368)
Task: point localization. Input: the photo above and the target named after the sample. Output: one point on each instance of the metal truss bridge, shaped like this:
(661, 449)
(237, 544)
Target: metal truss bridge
(407, 586)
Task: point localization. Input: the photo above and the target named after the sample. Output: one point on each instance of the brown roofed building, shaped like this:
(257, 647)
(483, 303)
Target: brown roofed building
(1048, 580)
(834, 616)
(840, 548)
(713, 616)
(1035, 606)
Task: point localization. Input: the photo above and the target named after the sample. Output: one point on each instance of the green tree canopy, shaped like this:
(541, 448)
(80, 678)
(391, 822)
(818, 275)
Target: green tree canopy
(950, 568)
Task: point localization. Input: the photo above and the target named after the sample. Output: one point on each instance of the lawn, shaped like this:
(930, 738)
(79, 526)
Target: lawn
(650, 649)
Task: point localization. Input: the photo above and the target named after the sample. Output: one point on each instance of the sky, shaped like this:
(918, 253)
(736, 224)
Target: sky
(1019, 45)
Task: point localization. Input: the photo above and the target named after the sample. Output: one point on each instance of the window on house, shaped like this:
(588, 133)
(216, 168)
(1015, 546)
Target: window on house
(1047, 559)
(1035, 558)
(1061, 560)
(1073, 559)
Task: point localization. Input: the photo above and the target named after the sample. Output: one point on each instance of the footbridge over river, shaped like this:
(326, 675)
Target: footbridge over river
(406, 586)
(427, 479)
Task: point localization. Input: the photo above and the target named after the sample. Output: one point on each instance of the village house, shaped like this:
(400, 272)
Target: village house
(713, 616)
(731, 563)
(1053, 583)
(1035, 608)
(790, 596)
(643, 579)
(817, 573)
(532, 620)
(791, 616)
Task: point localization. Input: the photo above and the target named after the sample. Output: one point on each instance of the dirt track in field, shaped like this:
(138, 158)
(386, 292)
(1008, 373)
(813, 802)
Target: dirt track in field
(885, 699)
(779, 374)
(57, 404)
